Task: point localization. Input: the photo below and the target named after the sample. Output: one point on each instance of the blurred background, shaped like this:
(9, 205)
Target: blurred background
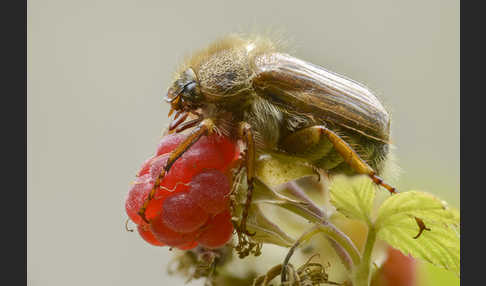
(97, 70)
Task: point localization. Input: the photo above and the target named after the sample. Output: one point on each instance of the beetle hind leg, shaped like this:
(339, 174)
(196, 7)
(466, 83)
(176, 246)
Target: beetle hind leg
(309, 137)
(379, 181)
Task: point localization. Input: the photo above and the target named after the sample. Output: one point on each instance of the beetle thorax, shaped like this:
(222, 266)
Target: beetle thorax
(225, 74)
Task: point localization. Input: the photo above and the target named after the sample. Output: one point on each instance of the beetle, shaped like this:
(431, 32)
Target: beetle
(245, 88)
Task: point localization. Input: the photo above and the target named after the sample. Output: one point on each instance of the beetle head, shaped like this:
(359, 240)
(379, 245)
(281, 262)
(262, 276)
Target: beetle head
(184, 94)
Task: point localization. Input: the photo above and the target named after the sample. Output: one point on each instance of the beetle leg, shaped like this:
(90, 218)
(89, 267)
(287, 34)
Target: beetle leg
(246, 134)
(187, 125)
(204, 128)
(178, 119)
(313, 135)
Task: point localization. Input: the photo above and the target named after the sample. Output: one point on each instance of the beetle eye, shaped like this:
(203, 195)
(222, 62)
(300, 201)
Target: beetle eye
(191, 91)
(190, 88)
(186, 87)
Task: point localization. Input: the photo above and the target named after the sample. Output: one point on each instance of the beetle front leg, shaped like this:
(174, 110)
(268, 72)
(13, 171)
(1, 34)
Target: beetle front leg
(204, 128)
(312, 135)
(246, 134)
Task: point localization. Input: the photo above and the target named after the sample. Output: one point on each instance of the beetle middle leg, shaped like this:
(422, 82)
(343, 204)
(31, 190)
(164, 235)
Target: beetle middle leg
(245, 132)
(301, 140)
(204, 128)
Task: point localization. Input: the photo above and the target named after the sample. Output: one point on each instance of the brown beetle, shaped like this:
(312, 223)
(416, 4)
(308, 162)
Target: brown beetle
(243, 87)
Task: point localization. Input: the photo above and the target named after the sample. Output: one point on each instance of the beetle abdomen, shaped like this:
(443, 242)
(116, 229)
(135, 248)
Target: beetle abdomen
(312, 144)
(374, 153)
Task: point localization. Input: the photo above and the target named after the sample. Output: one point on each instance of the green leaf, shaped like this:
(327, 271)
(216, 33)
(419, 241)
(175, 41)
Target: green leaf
(396, 224)
(353, 196)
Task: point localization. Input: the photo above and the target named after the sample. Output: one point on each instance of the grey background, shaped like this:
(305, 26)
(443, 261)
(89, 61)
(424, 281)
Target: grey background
(97, 71)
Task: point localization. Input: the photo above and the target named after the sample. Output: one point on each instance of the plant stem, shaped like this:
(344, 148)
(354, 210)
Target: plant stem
(331, 232)
(305, 208)
(295, 190)
(341, 239)
(343, 245)
(362, 276)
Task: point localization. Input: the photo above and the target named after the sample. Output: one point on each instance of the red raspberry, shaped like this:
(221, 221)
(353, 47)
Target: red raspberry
(210, 190)
(170, 182)
(199, 157)
(169, 143)
(136, 197)
(218, 231)
(181, 213)
(178, 217)
(188, 246)
(145, 167)
(225, 146)
(398, 270)
(157, 165)
(147, 235)
(189, 164)
(229, 149)
(168, 236)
